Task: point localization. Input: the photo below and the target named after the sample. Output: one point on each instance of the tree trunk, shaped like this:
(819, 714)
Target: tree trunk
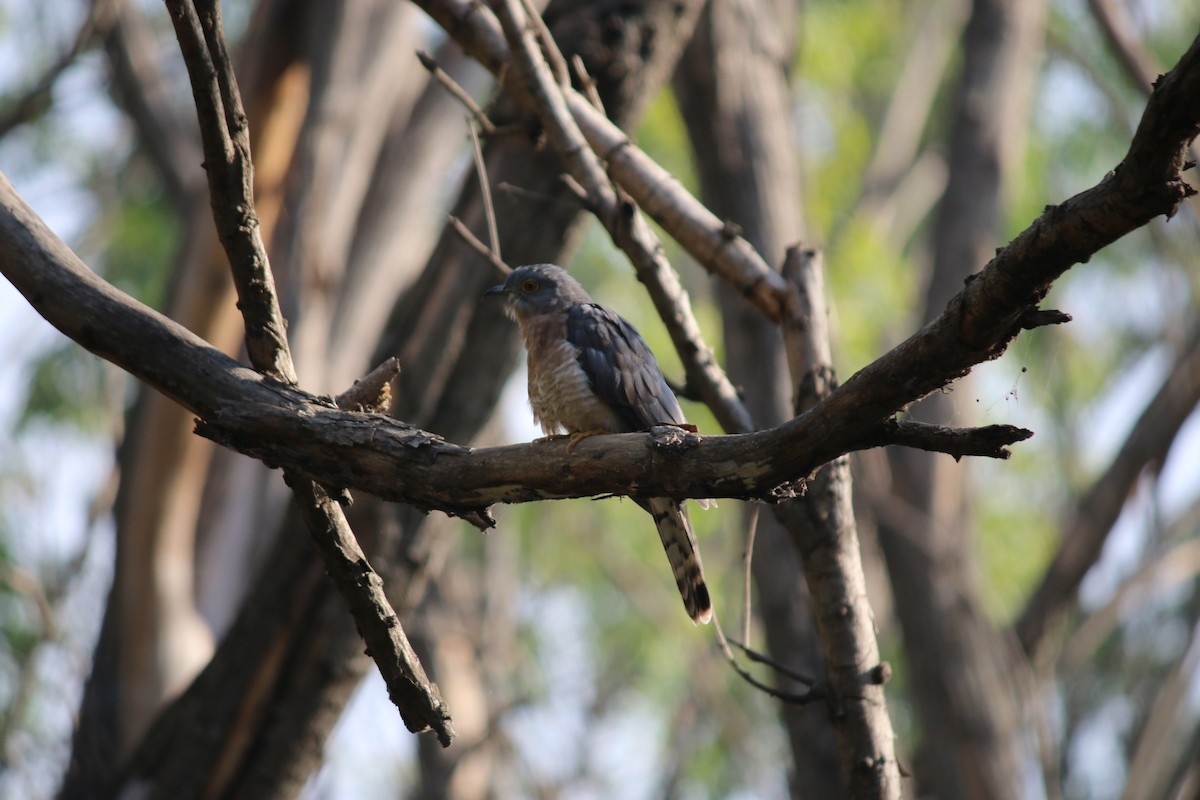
(733, 92)
(965, 674)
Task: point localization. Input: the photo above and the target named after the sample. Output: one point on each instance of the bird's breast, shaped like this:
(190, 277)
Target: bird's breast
(560, 392)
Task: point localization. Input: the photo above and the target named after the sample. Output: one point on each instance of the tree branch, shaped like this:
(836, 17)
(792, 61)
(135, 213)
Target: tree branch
(226, 141)
(990, 441)
(823, 527)
(716, 245)
(977, 326)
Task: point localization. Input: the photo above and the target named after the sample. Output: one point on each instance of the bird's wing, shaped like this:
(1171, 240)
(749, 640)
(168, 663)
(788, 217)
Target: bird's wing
(621, 368)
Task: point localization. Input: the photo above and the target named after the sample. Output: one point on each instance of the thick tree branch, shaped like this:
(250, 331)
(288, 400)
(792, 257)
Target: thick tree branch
(226, 141)
(286, 427)
(976, 326)
(823, 527)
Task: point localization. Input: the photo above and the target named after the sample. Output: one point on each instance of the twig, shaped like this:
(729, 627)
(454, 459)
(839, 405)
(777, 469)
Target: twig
(226, 143)
(792, 698)
(444, 78)
(373, 391)
(588, 83)
(990, 441)
(659, 193)
(782, 669)
(473, 242)
(529, 194)
(489, 211)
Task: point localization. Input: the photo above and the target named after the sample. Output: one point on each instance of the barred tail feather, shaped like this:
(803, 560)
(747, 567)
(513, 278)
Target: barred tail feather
(680, 544)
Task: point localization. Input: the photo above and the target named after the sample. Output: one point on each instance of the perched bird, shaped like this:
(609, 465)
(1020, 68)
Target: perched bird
(590, 372)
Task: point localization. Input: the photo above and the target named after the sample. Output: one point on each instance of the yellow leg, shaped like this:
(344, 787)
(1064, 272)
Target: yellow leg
(579, 436)
(549, 438)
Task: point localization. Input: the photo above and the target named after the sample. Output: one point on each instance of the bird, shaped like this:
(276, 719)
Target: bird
(590, 373)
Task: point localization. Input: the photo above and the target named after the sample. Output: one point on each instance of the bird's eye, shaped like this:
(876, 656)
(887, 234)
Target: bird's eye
(529, 286)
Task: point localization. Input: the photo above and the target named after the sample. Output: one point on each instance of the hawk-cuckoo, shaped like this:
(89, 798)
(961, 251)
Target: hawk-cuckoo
(590, 372)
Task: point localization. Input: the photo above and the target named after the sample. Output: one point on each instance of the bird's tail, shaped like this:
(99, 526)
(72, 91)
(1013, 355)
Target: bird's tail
(680, 543)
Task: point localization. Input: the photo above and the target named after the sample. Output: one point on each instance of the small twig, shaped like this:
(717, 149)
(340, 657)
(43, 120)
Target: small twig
(452, 86)
(576, 188)
(489, 211)
(813, 694)
(747, 562)
(528, 194)
(473, 242)
(373, 391)
(588, 83)
(782, 669)
(1037, 318)
(990, 441)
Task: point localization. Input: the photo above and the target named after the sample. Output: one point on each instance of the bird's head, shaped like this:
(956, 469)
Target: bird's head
(540, 289)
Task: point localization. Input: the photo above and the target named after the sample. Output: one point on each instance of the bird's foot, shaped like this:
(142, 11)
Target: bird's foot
(579, 436)
(549, 438)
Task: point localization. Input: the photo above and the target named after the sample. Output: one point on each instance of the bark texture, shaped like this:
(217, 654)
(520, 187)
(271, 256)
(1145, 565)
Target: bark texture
(733, 90)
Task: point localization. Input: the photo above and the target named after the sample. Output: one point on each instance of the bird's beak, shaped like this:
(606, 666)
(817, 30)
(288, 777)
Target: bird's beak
(501, 289)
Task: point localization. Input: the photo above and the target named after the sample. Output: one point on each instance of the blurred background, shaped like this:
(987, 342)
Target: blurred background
(1040, 613)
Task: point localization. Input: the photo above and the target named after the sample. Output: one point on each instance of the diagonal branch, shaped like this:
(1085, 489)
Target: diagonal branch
(226, 141)
(716, 245)
(141, 90)
(33, 101)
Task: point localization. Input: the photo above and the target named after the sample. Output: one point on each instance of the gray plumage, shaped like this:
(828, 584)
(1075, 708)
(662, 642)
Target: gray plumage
(591, 372)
